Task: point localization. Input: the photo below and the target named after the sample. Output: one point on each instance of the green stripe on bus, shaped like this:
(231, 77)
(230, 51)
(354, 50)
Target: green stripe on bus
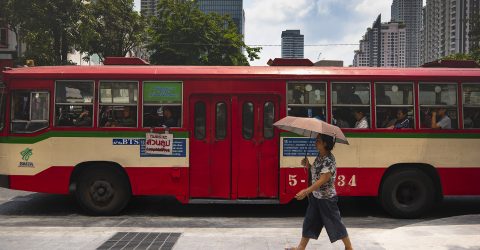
(401, 135)
(96, 134)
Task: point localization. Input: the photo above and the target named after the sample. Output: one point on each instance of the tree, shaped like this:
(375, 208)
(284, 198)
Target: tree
(110, 28)
(181, 34)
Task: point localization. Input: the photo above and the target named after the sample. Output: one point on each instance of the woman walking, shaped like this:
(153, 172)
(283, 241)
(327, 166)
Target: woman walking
(322, 208)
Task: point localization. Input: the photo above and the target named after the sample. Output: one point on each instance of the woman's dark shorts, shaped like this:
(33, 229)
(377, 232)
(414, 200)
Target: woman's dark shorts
(323, 213)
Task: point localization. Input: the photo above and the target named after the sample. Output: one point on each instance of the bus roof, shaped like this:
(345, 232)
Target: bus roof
(243, 72)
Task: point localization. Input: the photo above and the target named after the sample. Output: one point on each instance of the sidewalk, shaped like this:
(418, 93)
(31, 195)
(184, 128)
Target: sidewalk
(461, 232)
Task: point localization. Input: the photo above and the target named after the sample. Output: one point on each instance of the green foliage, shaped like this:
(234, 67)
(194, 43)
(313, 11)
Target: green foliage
(48, 27)
(110, 28)
(181, 34)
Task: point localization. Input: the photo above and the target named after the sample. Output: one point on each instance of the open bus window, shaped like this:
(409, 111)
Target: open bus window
(74, 103)
(351, 105)
(118, 104)
(307, 100)
(29, 111)
(394, 105)
(3, 104)
(438, 102)
(162, 104)
(471, 105)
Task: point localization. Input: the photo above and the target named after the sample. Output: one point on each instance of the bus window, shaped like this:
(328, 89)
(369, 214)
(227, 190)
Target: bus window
(30, 111)
(438, 103)
(351, 105)
(74, 103)
(3, 105)
(200, 121)
(162, 104)
(221, 121)
(247, 121)
(307, 100)
(268, 119)
(118, 104)
(471, 105)
(394, 105)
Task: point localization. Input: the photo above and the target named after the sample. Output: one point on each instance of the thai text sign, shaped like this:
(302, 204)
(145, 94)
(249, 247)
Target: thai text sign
(159, 144)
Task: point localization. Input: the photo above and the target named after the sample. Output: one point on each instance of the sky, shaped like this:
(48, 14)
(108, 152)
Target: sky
(320, 21)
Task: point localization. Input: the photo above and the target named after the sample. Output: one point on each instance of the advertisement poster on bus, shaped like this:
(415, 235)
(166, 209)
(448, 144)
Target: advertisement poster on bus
(159, 144)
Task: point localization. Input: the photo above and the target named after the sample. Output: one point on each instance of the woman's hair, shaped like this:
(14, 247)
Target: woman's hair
(328, 140)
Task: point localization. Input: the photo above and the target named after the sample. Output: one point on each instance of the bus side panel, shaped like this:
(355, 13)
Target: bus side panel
(349, 182)
(54, 180)
(159, 181)
(460, 181)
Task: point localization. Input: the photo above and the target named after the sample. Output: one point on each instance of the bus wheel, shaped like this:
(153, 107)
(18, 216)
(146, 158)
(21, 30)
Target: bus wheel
(407, 193)
(102, 191)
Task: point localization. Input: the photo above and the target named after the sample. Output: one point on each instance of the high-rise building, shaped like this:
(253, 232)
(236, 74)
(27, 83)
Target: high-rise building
(410, 13)
(148, 7)
(233, 8)
(393, 45)
(292, 44)
(383, 45)
(446, 27)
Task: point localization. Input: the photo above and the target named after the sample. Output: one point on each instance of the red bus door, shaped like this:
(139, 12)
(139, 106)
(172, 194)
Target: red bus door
(210, 146)
(257, 147)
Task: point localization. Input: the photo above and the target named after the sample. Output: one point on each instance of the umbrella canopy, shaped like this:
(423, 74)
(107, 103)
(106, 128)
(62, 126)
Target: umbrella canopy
(311, 127)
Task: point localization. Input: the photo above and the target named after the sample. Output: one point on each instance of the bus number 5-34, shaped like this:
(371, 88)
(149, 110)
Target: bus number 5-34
(342, 181)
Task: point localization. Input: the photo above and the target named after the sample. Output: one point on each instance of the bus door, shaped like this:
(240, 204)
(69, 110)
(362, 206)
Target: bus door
(257, 150)
(210, 146)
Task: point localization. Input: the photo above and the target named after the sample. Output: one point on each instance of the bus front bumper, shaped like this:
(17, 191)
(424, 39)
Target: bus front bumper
(4, 181)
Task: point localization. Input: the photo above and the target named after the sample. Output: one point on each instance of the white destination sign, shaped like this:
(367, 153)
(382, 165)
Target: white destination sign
(159, 144)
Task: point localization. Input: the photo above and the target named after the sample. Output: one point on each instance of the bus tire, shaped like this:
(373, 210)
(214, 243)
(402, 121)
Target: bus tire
(102, 191)
(407, 193)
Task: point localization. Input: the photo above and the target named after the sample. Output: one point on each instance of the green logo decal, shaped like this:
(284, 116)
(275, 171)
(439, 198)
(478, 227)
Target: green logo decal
(26, 153)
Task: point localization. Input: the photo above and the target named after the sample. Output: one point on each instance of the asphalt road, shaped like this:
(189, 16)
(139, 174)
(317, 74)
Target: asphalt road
(26, 209)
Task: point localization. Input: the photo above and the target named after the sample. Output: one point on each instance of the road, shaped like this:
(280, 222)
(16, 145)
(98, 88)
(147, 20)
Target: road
(43, 221)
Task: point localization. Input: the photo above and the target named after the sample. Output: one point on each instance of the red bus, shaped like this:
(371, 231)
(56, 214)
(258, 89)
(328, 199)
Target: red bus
(83, 131)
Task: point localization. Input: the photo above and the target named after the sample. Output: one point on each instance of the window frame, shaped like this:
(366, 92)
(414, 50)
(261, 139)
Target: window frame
(116, 104)
(462, 84)
(30, 92)
(352, 105)
(419, 106)
(413, 106)
(74, 104)
(308, 105)
(6, 36)
(195, 120)
(216, 121)
(273, 120)
(158, 104)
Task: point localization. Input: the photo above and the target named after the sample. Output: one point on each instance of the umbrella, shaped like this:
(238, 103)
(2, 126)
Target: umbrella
(311, 127)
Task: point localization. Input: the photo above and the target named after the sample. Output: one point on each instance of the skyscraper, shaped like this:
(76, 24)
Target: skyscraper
(446, 27)
(410, 13)
(383, 45)
(292, 44)
(233, 8)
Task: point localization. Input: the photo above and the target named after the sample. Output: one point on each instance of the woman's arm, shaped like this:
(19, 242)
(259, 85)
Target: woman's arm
(322, 180)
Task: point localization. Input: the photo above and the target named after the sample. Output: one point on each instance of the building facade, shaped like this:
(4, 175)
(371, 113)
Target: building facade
(292, 44)
(383, 45)
(232, 8)
(409, 12)
(447, 26)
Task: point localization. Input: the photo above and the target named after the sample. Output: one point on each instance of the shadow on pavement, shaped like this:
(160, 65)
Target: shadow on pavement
(359, 212)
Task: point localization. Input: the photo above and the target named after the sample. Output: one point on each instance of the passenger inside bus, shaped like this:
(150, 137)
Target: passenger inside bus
(440, 119)
(382, 98)
(158, 116)
(472, 118)
(402, 120)
(346, 95)
(112, 119)
(84, 119)
(361, 118)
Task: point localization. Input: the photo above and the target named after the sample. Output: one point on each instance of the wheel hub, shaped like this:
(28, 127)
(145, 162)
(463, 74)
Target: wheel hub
(407, 193)
(101, 191)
